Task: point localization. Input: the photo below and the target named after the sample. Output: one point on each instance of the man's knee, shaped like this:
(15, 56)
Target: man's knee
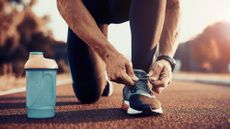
(86, 94)
(88, 98)
(173, 4)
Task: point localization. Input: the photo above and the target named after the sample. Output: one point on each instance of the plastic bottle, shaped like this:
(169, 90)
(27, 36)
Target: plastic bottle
(40, 86)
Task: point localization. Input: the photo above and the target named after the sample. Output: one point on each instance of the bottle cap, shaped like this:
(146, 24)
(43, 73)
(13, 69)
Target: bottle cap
(38, 61)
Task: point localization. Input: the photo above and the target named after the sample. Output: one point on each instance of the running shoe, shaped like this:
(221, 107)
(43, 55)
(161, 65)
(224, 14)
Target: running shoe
(139, 99)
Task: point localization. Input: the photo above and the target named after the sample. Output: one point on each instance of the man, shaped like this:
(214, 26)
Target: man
(153, 23)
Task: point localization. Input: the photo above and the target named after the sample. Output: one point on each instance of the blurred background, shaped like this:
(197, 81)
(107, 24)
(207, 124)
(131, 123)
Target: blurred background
(35, 25)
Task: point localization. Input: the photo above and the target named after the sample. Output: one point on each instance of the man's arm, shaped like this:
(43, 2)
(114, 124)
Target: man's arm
(161, 72)
(168, 45)
(83, 24)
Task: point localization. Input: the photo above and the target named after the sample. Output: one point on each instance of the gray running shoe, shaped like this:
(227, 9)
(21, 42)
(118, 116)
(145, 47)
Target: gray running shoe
(139, 99)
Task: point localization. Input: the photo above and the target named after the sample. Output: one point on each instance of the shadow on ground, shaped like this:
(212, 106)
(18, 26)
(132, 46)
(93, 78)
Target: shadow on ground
(17, 113)
(6, 102)
(95, 115)
(24, 98)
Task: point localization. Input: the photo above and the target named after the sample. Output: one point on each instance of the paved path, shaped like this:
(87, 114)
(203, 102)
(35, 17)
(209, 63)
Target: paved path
(186, 105)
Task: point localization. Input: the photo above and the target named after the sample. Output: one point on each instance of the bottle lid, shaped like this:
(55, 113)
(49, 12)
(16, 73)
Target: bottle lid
(38, 61)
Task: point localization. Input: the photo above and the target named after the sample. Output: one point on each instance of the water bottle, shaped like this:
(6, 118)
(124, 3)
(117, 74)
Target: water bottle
(40, 86)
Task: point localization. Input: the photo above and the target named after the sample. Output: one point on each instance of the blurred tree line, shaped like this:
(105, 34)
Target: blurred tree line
(21, 31)
(207, 52)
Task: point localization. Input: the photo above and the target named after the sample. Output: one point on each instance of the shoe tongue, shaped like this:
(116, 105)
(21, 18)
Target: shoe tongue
(142, 82)
(141, 74)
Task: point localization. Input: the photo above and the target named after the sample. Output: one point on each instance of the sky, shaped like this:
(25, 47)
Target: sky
(196, 15)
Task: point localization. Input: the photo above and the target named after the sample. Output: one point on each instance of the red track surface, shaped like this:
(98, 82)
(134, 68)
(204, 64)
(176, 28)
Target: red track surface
(186, 105)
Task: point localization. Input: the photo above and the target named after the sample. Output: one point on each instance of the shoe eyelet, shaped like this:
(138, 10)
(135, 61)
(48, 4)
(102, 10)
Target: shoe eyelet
(132, 91)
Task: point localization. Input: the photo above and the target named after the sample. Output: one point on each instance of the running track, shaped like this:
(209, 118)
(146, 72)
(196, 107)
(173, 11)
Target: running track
(186, 105)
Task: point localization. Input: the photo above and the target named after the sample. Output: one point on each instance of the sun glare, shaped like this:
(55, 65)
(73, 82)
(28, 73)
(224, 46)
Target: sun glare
(198, 14)
(226, 14)
(220, 10)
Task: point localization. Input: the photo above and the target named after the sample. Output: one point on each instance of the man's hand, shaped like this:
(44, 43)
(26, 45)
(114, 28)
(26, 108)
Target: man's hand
(120, 69)
(160, 75)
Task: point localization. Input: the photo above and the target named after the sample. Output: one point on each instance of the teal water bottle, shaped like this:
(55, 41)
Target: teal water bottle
(40, 86)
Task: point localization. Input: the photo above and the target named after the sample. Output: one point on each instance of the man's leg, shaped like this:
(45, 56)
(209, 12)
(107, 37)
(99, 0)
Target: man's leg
(87, 68)
(146, 20)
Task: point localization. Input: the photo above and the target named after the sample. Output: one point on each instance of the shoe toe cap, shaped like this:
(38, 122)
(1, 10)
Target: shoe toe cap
(144, 103)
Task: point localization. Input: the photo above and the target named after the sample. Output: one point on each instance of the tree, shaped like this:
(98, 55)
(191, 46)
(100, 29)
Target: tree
(209, 51)
(22, 31)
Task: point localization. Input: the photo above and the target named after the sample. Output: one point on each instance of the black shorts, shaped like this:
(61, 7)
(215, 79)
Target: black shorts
(108, 11)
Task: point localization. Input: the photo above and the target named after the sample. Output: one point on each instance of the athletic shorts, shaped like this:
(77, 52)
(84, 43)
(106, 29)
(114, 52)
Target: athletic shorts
(108, 11)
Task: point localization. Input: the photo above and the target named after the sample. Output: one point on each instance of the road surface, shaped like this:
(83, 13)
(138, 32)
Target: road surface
(186, 105)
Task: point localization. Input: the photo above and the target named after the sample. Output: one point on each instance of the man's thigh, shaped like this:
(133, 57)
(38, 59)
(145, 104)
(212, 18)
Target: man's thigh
(108, 11)
(98, 9)
(119, 10)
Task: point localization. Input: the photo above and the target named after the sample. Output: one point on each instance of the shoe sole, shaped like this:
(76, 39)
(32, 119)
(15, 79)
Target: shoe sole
(131, 111)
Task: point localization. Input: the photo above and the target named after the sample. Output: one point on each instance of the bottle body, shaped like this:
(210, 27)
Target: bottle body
(40, 90)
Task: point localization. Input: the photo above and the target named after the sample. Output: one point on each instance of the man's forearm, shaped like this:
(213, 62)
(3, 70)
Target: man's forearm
(82, 23)
(168, 45)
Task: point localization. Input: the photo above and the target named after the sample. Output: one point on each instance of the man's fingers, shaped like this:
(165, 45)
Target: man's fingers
(150, 73)
(127, 80)
(165, 76)
(155, 72)
(160, 83)
(163, 81)
(159, 90)
(161, 76)
(130, 72)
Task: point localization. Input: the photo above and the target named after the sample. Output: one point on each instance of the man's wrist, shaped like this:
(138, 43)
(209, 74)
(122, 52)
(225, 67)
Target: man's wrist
(166, 54)
(168, 59)
(107, 51)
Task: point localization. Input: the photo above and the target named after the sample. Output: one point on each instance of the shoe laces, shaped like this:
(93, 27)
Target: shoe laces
(141, 84)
